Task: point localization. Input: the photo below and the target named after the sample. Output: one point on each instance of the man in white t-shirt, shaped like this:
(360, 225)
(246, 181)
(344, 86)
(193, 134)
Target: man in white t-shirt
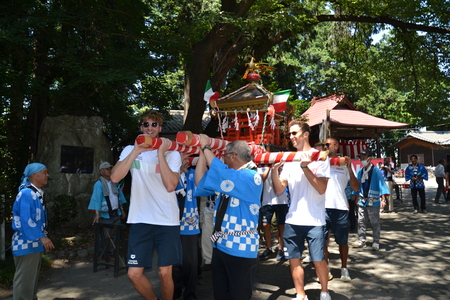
(154, 213)
(336, 205)
(307, 182)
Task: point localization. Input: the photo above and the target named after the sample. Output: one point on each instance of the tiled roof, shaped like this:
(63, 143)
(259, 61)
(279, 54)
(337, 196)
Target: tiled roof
(434, 137)
(344, 113)
(176, 124)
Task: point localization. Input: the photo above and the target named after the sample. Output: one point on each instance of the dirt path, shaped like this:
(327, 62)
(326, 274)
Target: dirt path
(413, 263)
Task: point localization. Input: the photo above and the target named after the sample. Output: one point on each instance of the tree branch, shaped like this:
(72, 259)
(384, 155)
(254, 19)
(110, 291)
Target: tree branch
(382, 20)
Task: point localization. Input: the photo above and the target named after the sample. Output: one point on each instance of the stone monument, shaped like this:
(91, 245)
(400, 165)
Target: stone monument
(72, 148)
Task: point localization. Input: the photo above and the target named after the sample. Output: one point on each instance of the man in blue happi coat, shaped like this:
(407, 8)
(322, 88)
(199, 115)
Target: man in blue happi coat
(235, 238)
(372, 197)
(416, 173)
(30, 231)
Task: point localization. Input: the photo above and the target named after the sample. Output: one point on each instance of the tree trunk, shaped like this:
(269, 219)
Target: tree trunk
(197, 74)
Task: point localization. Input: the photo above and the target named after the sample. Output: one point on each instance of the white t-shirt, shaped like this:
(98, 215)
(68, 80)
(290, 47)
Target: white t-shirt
(335, 196)
(307, 205)
(268, 196)
(150, 202)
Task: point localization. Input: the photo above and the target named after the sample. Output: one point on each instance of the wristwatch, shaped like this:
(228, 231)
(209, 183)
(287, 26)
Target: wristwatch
(206, 147)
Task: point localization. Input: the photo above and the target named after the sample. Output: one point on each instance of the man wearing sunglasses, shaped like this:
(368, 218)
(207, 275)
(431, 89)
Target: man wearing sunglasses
(154, 212)
(307, 182)
(337, 206)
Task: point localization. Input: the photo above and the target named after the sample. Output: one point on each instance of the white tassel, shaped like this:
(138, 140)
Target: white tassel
(256, 118)
(252, 127)
(272, 122)
(225, 123)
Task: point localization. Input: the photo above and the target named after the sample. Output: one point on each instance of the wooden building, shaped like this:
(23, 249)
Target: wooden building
(429, 146)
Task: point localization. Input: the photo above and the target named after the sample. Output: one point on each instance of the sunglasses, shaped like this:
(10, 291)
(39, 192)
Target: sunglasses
(293, 133)
(153, 124)
(327, 144)
(229, 153)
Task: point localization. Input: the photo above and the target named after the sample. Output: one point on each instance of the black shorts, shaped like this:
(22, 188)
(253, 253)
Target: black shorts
(144, 238)
(280, 210)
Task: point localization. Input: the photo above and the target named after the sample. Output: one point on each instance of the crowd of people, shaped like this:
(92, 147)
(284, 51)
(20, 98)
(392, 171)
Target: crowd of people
(309, 199)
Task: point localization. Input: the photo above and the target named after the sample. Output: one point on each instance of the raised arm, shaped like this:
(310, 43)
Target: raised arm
(279, 185)
(121, 168)
(200, 169)
(319, 183)
(207, 152)
(265, 174)
(354, 182)
(169, 178)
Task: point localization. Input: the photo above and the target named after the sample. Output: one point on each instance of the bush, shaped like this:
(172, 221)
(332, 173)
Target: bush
(64, 209)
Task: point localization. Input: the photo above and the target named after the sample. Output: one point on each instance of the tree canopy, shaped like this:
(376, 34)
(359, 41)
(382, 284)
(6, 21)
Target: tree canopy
(111, 59)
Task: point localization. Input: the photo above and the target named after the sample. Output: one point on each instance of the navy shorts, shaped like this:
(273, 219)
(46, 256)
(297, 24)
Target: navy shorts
(280, 210)
(144, 238)
(294, 241)
(337, 220)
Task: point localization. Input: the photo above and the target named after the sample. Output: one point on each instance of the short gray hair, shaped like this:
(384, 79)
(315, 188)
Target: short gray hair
(241, 149)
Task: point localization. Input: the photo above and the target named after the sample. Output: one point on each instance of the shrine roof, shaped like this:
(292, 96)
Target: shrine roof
(433, 137)
(343, 112)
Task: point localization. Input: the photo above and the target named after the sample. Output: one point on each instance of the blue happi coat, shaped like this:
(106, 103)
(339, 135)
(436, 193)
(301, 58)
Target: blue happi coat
(377, 187)
(414, 171)
(29, 219)
(189, 223)
(244, 187)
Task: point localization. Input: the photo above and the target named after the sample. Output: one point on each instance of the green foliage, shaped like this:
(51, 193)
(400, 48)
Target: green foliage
(63, 209)
(115, 58)
(300, 106)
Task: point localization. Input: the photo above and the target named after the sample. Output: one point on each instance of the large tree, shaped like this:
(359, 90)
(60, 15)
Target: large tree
(67, 57)
(107, 58)
(221, 35)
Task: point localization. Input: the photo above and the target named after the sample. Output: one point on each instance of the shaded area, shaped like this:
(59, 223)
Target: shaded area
(413, 263)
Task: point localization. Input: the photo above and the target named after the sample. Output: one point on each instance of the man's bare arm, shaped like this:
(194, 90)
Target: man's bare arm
(319, 183)
(200, 169)
(279, 185)
(121, 168)
(354, 182)
(169, 178)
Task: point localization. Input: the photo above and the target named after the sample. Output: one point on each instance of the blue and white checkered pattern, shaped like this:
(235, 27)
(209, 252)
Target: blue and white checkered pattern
(237, 236)
(29, 222)
(233, 244)
(190, 222)
(19, 244)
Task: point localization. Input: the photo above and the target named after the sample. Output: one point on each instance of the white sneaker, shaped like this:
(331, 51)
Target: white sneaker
(375, 246)
(307, 259)
(296, 298)
(359, 244)
(345, 276)
(325, 296)
(330, 276)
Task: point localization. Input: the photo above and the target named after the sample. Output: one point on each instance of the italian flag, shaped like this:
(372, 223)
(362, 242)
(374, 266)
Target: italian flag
(279, 100)
(210, 96)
